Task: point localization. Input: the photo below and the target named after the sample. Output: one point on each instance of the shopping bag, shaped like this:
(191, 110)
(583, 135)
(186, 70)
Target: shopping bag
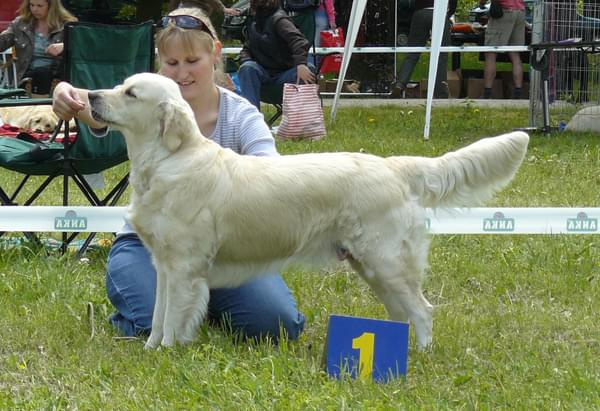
(302, 112)
(332, 38)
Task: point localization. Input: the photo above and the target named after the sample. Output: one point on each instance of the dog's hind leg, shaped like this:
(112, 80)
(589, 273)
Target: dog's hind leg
(158, 316)
(187, 305)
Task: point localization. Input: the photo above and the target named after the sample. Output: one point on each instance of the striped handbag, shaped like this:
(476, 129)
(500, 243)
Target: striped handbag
(302, 112)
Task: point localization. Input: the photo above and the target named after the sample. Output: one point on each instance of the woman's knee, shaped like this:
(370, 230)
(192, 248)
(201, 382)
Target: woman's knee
(275, 325)
(263, 307)
(292, 325)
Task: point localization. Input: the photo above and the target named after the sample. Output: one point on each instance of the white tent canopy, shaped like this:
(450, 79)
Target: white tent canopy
(440, 9)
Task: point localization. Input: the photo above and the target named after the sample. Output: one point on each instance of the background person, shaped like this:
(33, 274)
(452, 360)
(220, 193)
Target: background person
(189, 51)
(418, 36)
(508, 30)
(324, 20)
(37, 35)
(275, 51)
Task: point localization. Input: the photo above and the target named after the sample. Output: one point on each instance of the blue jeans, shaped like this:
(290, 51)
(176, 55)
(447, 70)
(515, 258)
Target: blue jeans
(321, 24)
(256, 309)
(252, 76)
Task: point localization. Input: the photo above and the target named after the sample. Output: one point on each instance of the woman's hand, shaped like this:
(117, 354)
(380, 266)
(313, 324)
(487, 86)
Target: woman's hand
(305, 74)
(55, 49)
(66, 102)
(231, 11)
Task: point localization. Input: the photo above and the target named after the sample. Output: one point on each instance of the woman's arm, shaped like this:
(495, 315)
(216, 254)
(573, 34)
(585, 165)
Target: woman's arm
(69, 102)
(7, 37)
(254, 134)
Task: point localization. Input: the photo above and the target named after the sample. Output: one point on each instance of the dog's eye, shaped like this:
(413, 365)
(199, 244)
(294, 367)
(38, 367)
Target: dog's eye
(130, 93)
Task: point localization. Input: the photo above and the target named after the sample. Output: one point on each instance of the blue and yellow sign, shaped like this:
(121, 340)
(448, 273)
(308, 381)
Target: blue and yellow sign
(366, 348)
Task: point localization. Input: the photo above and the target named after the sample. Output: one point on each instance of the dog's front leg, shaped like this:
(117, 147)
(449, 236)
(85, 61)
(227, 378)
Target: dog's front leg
(187, 306)
(160, 306)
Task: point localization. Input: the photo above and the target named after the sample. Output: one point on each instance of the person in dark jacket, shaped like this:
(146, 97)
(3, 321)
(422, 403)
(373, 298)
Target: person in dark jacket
(275, 51)
(37, 35)
(419, 34)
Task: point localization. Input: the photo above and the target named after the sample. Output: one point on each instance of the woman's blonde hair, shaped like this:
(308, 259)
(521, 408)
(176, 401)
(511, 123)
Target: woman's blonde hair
(191, 39)
(57, 14)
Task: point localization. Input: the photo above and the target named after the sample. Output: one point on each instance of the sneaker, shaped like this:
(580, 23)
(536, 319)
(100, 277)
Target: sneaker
(398, 90)
(518, 93)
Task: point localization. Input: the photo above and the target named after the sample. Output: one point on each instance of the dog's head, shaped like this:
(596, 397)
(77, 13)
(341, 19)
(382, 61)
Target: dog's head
(146, 106)
(42, 120)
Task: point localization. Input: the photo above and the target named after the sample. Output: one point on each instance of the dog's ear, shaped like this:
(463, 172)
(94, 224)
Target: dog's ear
(174, 127)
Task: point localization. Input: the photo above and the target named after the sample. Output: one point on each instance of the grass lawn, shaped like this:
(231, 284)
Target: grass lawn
(515, 320)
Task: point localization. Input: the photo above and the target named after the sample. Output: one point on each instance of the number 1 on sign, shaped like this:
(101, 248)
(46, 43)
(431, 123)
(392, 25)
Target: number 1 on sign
(366, 346)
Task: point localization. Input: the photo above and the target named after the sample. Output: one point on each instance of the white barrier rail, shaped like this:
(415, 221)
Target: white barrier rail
(442, 221)
(402, 49)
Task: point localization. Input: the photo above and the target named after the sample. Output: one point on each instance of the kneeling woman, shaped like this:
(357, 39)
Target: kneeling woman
(189, 51)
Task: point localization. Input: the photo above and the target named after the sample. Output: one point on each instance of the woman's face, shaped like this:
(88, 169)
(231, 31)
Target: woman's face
(39, 9)
(192, 70)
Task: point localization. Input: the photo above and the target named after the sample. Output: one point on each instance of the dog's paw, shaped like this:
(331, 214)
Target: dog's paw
(424, 346)
(152, 342)
(167, 342)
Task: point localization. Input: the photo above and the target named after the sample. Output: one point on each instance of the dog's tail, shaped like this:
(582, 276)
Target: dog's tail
(469, 176)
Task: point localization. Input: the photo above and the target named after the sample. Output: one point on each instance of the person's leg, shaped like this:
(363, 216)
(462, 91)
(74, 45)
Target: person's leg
(258, 308)
(321, 24)
(517, 38)
(441, 79)
(489, 70)
(497, 33)
(517, 69)
(251, 76)
(131, 285)
(420, 27)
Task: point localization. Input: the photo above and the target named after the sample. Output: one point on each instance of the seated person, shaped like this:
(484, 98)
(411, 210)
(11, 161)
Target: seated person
(275, 51)
(37, 34)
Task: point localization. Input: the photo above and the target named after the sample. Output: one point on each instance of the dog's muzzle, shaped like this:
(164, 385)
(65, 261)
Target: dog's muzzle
(95, 105)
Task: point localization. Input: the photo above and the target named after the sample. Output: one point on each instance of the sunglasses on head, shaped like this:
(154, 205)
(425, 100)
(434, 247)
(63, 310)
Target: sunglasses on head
(186, 22)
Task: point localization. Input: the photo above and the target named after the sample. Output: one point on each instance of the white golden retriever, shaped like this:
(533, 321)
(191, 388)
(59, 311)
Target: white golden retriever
(213, 218)
(40, 119)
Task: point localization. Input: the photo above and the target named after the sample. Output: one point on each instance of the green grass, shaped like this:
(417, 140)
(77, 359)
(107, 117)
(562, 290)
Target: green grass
(515, 320)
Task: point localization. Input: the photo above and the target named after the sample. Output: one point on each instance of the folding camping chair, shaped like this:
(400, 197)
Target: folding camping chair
(8, 75)
(95, 56)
